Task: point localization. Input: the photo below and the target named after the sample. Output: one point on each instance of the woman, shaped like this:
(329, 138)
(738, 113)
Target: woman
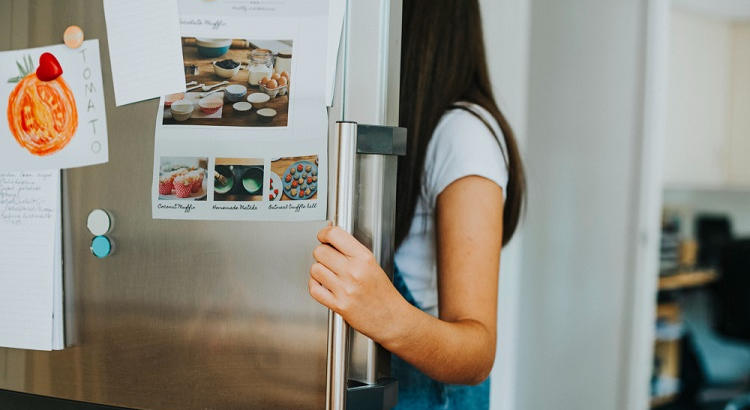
(460, 193)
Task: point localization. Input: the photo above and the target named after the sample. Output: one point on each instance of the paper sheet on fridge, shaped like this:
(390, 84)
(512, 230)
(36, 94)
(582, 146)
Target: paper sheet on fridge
(336, 14)
(58, 319)
(144, 49)
(55, 104)
(30, 261)
(257, 151)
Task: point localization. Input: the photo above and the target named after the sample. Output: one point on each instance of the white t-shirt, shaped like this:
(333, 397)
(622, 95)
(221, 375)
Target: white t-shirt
(461, 145)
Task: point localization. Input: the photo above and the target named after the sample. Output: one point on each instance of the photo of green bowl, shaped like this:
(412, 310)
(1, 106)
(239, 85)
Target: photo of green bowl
(238, 179)
(252, 180)
(223, 179)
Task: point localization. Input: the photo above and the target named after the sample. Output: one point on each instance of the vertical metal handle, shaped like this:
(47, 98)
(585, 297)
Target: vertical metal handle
(338, 330)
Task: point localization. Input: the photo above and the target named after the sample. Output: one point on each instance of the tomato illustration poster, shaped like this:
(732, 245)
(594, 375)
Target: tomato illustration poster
(53, 106)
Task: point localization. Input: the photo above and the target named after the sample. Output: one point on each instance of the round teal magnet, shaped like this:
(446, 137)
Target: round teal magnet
(101, 247)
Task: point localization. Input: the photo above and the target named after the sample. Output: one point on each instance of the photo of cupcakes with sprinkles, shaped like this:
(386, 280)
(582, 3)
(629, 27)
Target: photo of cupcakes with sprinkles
(298, 177)
(182, 179)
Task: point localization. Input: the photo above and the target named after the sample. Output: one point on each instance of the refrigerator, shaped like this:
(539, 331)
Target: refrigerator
(209, 314)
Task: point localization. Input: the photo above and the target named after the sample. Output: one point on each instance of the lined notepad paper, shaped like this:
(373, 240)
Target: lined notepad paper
(31, 261)
(145, 49)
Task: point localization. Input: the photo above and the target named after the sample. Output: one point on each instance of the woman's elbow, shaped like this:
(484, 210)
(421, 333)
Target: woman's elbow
(482, 366)
(472, 377)
(480, 374)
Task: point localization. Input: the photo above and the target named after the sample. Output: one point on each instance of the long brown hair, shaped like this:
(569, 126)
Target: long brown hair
(443, 62)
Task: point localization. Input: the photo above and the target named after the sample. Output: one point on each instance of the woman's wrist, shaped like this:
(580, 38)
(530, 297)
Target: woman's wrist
(403, 320)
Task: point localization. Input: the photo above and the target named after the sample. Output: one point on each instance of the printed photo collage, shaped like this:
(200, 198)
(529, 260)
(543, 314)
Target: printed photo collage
(247, 139)
(224, 180)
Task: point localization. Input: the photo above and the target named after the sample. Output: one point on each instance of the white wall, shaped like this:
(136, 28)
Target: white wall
(727, 9)
(708, 129)
(506, 27)
(739, 125)
(582, 156)
(698, 100)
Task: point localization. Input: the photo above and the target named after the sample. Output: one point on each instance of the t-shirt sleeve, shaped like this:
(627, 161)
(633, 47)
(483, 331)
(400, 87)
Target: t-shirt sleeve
(461, 146)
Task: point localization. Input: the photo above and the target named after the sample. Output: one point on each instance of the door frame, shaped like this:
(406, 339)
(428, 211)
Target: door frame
(640, 311)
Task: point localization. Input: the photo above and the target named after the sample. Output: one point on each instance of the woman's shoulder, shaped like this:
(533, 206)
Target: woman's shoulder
(465, 142)
(467, 131)
(469, 126)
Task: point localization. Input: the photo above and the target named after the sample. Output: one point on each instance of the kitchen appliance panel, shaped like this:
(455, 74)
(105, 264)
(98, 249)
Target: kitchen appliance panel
(184, 314)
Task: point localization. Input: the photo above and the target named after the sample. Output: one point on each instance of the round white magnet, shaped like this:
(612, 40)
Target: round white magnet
(99, 222)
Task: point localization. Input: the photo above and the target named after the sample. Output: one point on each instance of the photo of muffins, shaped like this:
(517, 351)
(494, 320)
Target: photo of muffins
(166, 185)
(197, 177)
(183, 186)
(183, 179)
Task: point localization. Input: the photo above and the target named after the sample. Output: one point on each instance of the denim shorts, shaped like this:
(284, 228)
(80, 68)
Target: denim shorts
(416, 391)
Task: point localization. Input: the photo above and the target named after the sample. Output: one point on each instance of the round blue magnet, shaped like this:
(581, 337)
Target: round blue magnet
(101, 247)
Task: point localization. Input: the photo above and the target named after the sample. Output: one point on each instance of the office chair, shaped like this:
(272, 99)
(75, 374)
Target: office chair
(740, 403)
(712, 233)
(733, 291)
(732, 312)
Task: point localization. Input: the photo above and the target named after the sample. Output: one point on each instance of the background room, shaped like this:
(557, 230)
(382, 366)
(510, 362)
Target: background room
(625, 288)
(631, 284)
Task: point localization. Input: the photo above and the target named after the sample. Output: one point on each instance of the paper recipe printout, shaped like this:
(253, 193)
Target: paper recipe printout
(248, 139)
(30, 262)
(54, 108)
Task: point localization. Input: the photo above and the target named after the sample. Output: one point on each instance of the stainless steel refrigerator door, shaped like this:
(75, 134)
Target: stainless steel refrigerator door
(185, 314)
(194, 315)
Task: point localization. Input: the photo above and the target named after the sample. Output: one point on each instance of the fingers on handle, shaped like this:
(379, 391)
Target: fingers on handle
(321, 294)
(325, 277)
(331, 258)
(341, 240)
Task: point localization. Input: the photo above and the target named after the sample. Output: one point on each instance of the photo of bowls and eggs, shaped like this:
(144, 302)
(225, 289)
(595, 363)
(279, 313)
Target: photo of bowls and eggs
(238, 180)
(233, 82)
(183, 178)
(294, 179)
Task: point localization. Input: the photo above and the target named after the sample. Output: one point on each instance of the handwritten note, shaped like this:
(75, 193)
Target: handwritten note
(24, 200)
(144, 48)
(30, 261)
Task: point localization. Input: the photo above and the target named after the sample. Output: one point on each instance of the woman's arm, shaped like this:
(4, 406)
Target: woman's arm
(458, 347)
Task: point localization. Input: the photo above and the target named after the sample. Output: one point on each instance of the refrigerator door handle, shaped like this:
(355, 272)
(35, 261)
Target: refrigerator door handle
(338, 330)
(379, 142)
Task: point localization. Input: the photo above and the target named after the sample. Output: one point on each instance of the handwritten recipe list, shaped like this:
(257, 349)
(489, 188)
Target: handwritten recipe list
(30, 260)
